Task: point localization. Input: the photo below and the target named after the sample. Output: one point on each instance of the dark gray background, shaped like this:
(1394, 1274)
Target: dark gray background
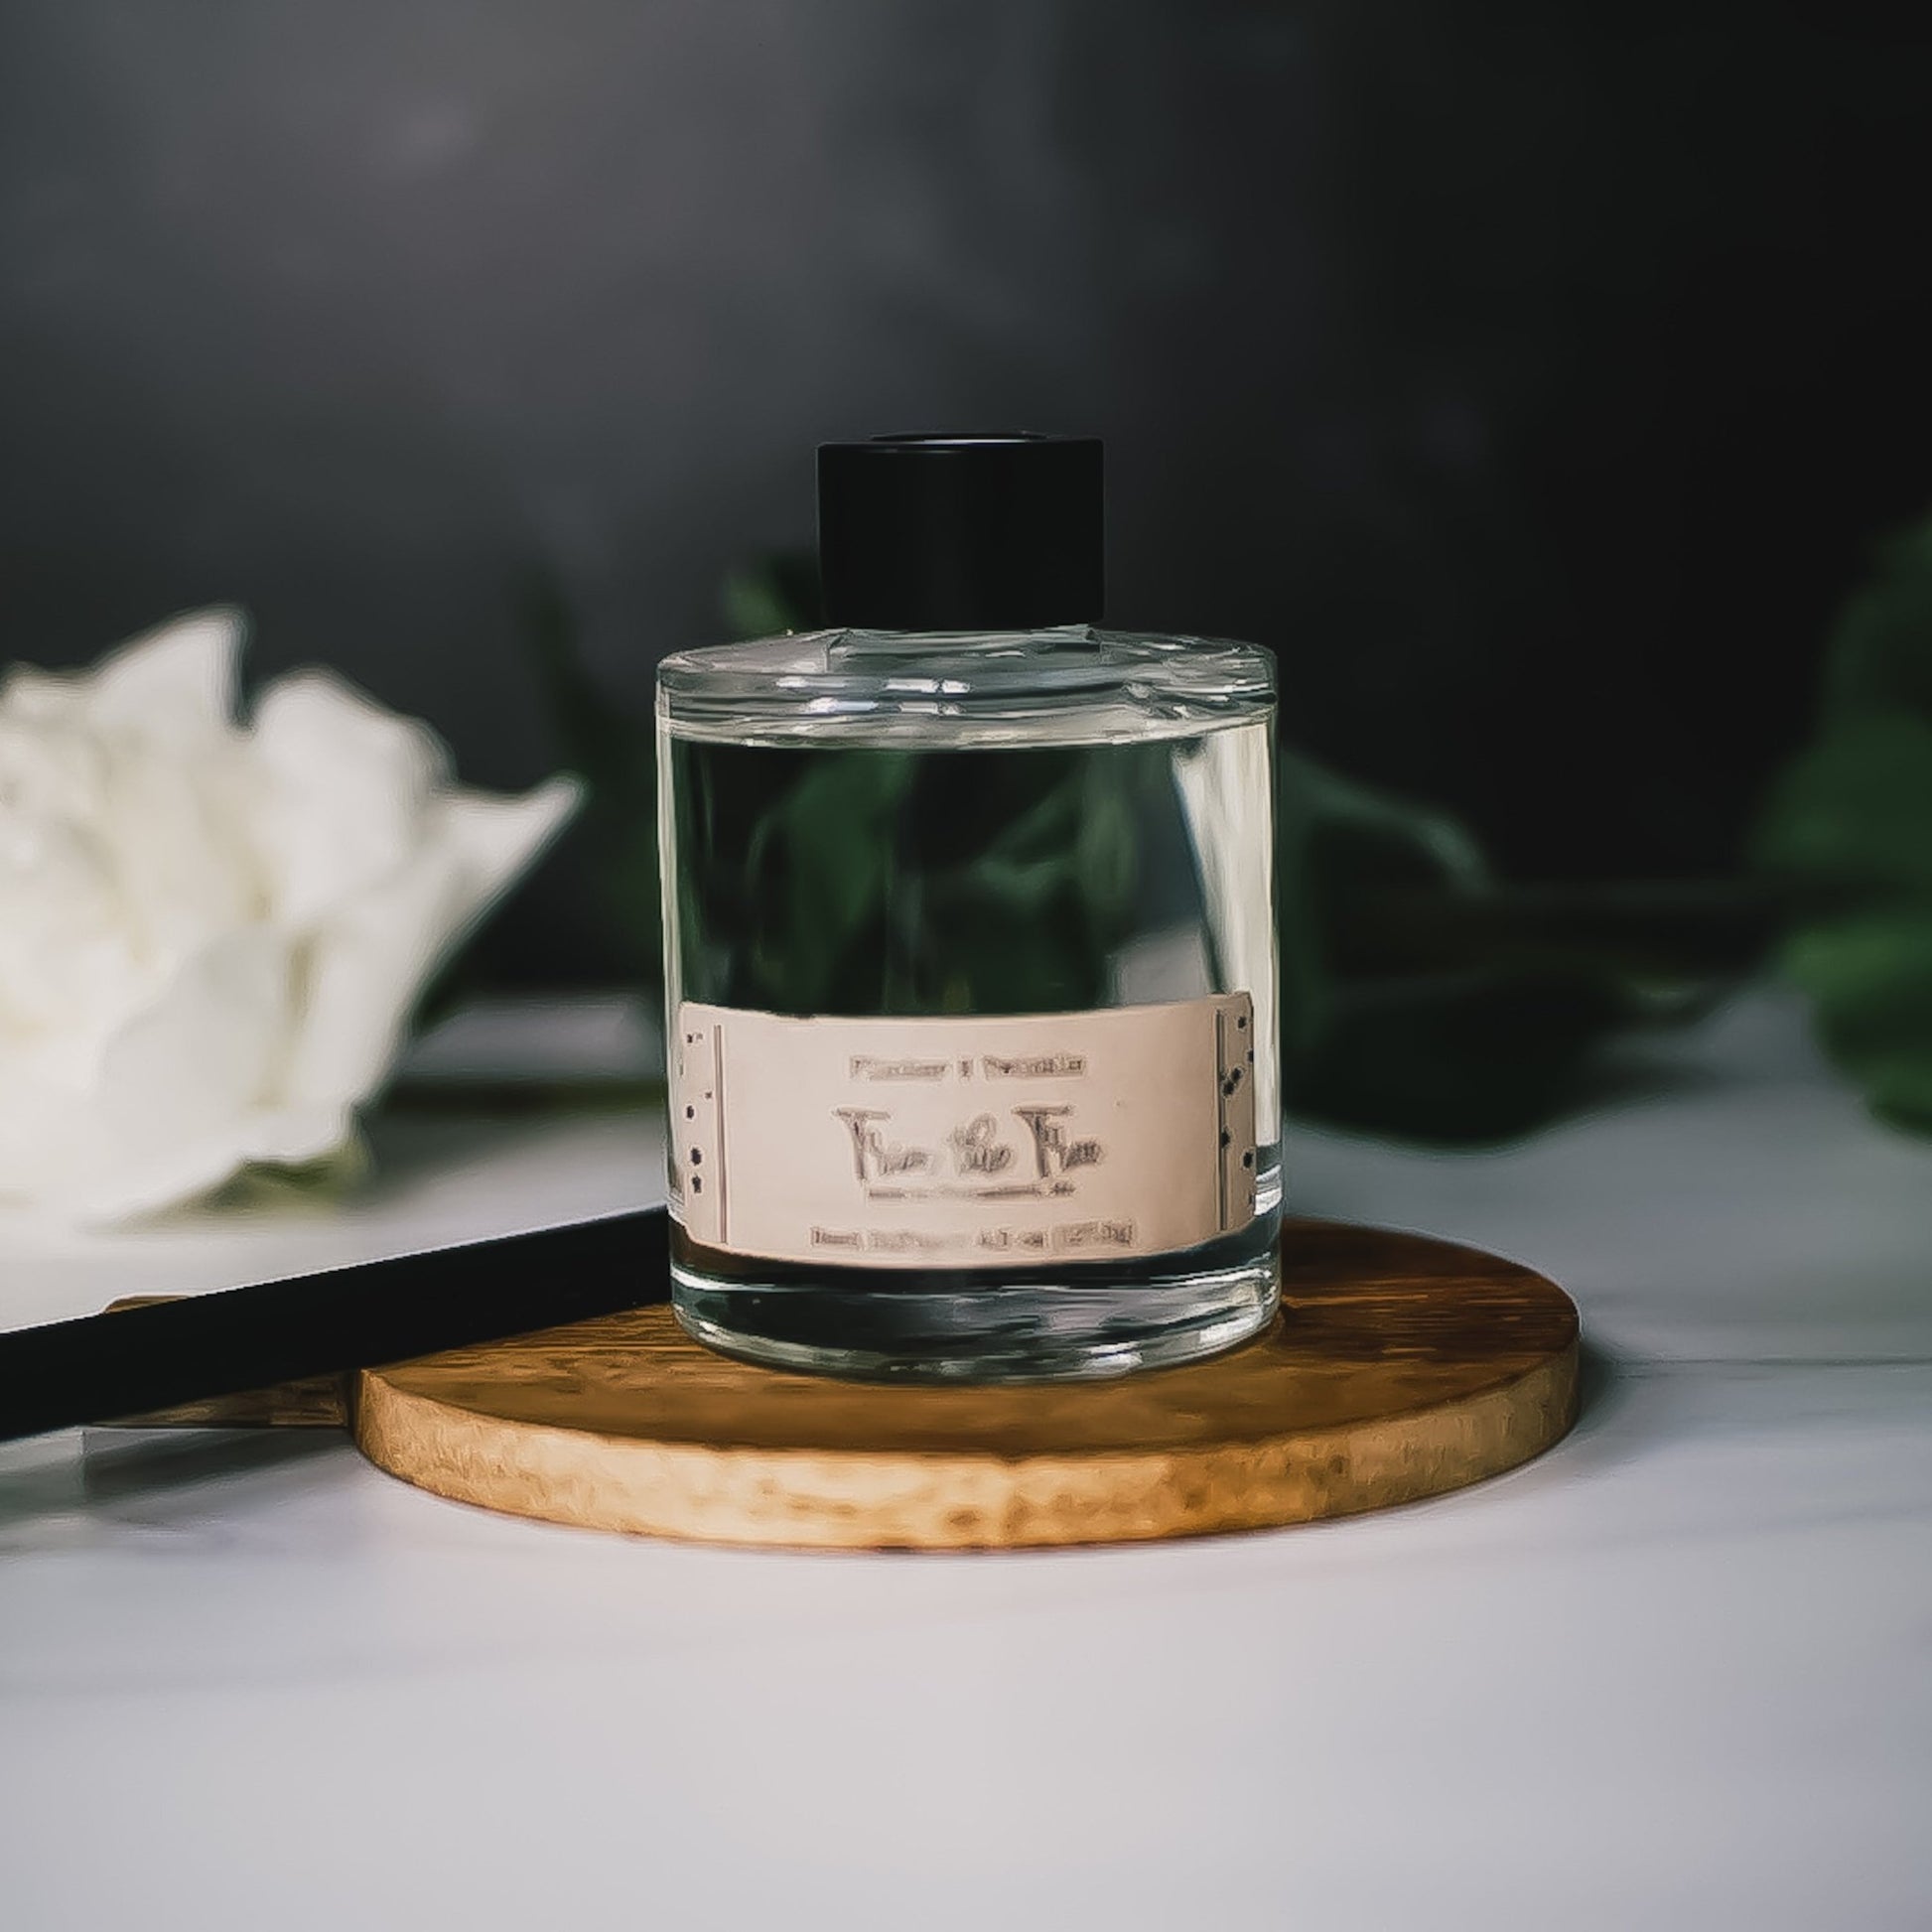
(1533, 379)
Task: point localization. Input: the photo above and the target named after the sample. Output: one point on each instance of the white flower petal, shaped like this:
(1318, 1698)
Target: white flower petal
(177, 683)
(34, 697)
(146, 1180)
(369, 963)
(185, 861)
(345, 788)
(207, 1047)
(154, 1178)
(45, 1130)
(212, 935)
(496, 838)
(64, 962)
(292, 1136)
(366, 968)
(167, 1114)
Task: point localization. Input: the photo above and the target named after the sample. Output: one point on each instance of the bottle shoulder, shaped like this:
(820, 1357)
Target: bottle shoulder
(1070, 682)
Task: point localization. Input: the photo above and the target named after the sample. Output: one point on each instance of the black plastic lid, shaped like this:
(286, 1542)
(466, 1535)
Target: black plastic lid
(964, 532)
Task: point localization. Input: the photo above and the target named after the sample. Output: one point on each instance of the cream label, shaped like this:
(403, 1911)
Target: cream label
(1032, 1141)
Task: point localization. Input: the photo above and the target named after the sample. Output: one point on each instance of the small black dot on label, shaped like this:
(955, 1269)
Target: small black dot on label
(1247, 1160)
(690, 1113)
(697, 1156)
(697, 1184)
(1242, 1023)
(1226, 1137)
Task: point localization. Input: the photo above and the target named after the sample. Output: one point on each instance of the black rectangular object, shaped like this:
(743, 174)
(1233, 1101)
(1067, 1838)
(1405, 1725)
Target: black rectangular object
(202, 1346)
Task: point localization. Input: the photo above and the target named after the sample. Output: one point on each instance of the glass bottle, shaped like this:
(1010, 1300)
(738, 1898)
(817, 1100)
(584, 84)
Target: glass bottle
(970, 957)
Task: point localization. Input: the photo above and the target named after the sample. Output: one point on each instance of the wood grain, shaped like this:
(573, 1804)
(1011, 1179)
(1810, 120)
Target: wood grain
(1400, 1367)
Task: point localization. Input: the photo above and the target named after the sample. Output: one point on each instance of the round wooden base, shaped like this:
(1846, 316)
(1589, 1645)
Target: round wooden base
(1400, 1367)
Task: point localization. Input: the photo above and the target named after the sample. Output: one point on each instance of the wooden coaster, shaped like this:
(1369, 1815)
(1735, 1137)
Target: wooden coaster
(1400, 1367)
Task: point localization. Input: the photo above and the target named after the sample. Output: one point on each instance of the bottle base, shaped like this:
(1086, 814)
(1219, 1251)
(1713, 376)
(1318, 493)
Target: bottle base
(1011, 1331)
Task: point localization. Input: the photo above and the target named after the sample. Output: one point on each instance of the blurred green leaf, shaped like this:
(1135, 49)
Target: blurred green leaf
(819, 868)
(1417, 1001)
(1852, 817)
(1880, 654)
(1482, 1055)
(798, 893)
(772, 594)
(1421, 996)
(1036, 896)
(1870, 980)
(320, 1183)
(1848, 831)
(1334, 839)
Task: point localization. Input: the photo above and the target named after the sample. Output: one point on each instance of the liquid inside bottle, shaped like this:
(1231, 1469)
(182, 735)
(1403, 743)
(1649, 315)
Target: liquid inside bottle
(971, 997)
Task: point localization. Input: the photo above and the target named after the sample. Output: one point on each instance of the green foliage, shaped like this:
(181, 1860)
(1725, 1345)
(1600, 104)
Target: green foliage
(871, 881)
(1881, 656)
(1027, 909)
(1421, 997)
(817, 870)
(1333, 838)
(264, 1189)
(1414, 1001)
(771, 595)
(1849, 830)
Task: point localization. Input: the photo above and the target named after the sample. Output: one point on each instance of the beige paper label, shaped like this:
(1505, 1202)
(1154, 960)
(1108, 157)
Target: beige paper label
(959, 1142)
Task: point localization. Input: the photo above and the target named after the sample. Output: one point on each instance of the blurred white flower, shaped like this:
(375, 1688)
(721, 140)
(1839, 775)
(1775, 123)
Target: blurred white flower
(212, 934)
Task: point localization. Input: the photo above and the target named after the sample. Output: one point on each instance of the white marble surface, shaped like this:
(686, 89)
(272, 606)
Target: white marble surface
(1679, 1673)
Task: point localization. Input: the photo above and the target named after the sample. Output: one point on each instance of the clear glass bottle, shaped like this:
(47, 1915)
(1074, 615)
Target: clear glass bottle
(970, 950)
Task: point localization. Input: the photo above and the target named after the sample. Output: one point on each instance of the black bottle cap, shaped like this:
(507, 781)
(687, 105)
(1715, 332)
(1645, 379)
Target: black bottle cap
(965, 532)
